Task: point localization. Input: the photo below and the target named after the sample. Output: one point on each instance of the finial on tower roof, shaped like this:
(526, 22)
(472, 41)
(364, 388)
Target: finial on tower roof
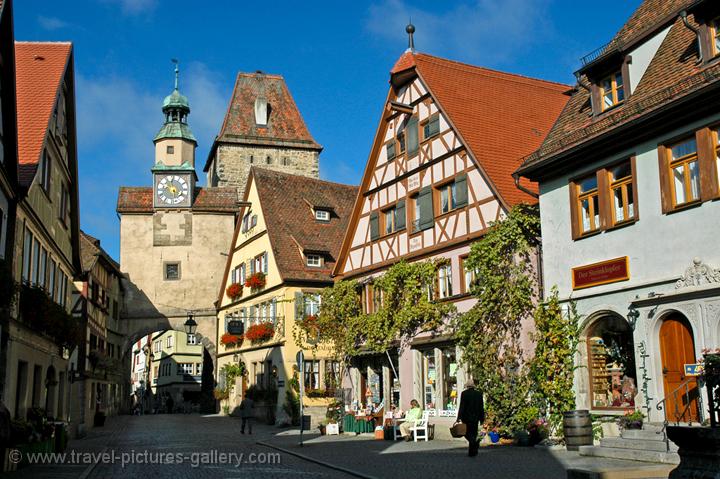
(177, 71)
(410, 29)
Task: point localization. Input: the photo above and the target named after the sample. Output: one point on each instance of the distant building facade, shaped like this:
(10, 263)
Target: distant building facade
(176, 363)
(262, 127)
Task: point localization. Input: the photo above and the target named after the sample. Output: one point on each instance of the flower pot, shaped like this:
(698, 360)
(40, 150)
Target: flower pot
(494, 437)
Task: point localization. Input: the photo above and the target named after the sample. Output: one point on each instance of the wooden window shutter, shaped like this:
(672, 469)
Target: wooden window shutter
(374, 226)
(265, 262)
(412, 136)
(400, 215)
(665, 187)
(426, 208)
(252, 266)
(574, 217)
(299, 306)
(461, 190)
(707, 164)
(604, 199)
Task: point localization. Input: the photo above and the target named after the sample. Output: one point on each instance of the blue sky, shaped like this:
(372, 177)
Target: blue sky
(335, 57)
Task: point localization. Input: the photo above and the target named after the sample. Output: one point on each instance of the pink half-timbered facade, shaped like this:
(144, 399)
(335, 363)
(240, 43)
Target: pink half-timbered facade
(439, 172)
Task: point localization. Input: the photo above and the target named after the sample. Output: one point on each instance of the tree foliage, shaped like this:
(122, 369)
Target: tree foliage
(552, 369)
(490, 333)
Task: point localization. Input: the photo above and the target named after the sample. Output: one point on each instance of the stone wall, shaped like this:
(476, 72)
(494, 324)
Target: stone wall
(231, 165)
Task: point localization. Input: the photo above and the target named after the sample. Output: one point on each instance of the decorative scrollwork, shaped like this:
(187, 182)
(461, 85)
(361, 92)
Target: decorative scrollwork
(698, 274)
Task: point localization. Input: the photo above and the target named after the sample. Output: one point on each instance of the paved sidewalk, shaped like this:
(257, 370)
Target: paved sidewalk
(384, 459)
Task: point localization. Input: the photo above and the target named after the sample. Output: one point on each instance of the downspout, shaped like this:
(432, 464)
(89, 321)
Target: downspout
(516, 177)
(696, 31)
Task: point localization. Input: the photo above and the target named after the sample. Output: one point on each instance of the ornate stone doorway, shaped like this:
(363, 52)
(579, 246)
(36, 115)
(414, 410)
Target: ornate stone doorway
(677, 348)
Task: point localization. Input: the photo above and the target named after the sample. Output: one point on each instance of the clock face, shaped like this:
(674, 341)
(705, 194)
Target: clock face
(172, 190)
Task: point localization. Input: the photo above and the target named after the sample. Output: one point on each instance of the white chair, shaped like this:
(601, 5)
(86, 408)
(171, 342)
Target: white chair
(421, 426)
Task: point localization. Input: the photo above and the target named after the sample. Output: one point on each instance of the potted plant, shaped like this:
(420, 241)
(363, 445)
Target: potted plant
(321, 427)
(234, 291)
(255, 281)
(631, 420)
(537, 431)
(231, 340)
(260, 332)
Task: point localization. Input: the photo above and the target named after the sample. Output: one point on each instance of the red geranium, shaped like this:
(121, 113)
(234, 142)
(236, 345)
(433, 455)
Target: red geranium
(260, 332)
(228, 339)
(234, 291)
(255, 281)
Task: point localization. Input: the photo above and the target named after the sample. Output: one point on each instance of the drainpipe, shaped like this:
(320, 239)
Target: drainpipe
(516, 177)
(696, 31)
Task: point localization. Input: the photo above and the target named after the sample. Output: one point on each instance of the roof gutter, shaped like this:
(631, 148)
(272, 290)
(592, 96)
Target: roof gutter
(696, 31)
(516, 177)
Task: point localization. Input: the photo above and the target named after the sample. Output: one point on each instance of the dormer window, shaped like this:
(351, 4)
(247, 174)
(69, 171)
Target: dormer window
(612, 90)
(314, 260)
(322, 215)
(261, 111)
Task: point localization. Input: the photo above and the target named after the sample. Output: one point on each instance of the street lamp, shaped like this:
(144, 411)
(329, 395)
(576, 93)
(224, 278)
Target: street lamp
(190, 325)
(632, 316)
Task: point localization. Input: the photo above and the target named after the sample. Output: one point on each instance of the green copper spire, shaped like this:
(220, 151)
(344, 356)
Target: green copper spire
(176, 109)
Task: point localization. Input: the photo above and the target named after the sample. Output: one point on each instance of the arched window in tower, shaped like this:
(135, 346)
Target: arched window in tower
(268, 160)
(286, 161)
(252, 159)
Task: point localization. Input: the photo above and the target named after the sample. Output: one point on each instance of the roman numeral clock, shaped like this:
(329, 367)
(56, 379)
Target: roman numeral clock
(172, 190)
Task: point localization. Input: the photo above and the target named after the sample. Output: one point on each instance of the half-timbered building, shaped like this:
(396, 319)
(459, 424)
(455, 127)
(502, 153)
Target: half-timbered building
(439, 173)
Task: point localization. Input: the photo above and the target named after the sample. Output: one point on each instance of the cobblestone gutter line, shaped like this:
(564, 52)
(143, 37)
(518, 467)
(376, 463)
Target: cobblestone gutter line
(316, 461)
(88, 470)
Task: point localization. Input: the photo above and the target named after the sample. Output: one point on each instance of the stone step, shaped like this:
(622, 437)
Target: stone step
(637, 444)
(643, 435)
(630, 454)
(649, 471)
(653, 426)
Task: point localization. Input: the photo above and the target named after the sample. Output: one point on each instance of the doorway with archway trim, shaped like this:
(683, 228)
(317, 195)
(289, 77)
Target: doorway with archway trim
(677, 348)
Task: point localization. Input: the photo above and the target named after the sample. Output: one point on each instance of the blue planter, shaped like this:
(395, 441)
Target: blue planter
(494, 437)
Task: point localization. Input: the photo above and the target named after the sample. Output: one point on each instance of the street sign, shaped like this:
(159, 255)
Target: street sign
(300, 359)
(693, 369)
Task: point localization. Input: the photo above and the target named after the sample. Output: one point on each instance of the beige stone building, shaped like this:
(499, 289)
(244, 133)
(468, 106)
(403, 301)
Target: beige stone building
(173, 238)
(262, 127)
(289, 236)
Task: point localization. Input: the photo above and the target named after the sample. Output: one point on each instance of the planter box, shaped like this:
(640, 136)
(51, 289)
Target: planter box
(332, 429)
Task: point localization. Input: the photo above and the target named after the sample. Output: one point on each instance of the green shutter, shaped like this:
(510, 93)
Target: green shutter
(412, 136)
(400, 215)
(374, 226)
(461, 191)
(299, 306)
(426, 208)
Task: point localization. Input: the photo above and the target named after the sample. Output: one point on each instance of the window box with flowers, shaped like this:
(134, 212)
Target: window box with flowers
(310, 324)
(231, 340)
(258, 333)
(255, 281)
(234, 291)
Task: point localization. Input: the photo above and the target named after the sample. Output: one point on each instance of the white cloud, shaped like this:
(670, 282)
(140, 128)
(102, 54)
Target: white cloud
(134, 7)
(485, 31)
(52, 23)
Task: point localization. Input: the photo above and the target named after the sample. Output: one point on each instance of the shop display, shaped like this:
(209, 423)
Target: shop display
(612, 370)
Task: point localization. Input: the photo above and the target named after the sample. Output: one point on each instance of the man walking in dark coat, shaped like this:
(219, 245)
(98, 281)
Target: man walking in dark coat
(246, 413)
(470, 413)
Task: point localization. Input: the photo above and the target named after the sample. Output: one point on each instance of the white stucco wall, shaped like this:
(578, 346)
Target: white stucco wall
(643, 55)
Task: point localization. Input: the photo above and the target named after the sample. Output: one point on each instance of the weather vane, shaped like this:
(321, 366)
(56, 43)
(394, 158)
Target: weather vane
(177, 70)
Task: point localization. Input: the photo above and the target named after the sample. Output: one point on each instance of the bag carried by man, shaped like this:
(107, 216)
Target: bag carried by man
(458, 430)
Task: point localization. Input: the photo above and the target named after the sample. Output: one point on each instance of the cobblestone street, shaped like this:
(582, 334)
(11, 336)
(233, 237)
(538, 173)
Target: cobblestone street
(133, 446)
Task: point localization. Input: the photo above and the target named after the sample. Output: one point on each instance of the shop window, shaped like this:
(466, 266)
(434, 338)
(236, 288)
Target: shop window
(611, 362)
(429, 379)
(450, 384)
(332, 375)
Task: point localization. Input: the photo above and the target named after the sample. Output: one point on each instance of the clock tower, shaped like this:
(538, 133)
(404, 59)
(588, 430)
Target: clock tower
(174, 170)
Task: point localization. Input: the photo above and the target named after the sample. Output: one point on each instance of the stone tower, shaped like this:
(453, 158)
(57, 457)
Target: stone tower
(262, 127)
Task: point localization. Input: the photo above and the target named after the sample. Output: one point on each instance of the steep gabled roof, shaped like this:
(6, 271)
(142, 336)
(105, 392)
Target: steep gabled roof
(673, 74)
(285, 127)
(501, 117)
(91, 251)
(139, 200)
(40, 68)
(290, 223)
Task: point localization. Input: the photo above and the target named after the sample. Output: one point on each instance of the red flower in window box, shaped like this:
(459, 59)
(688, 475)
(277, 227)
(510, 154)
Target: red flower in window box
(255, 281)
(234, 291)
(310, 324)
(230, 340)
(260, 332)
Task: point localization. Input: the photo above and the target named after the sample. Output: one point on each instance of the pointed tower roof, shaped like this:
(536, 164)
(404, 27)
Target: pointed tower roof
(176, 108)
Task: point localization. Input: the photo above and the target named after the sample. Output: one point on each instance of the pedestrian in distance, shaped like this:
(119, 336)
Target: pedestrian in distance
(246, 413)
(470, 413)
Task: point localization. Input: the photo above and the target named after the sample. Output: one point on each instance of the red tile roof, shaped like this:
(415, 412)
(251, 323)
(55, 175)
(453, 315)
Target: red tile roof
(285, 200)
(672, 74)
(39, 70)
(139, 199)
(501, 117)
(285, 123)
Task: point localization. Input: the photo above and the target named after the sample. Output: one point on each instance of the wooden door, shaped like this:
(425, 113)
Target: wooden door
(677, 348)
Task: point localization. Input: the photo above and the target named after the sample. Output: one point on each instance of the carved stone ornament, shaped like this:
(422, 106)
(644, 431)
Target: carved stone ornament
(698, 274)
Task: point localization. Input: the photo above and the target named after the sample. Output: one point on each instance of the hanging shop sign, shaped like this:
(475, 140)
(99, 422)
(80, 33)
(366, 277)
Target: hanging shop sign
(604, 272)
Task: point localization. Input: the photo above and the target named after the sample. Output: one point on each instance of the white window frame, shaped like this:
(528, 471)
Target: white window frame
(322, 215)
(313, 260)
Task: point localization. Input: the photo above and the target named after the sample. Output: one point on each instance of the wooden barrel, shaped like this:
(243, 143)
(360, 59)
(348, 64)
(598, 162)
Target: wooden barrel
(577, 427)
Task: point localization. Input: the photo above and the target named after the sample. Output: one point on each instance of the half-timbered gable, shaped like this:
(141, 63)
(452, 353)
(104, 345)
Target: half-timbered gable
(436, 177)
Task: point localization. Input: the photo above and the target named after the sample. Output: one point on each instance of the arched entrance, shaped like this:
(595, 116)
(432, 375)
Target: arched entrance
(677, 348)
(611, 363)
